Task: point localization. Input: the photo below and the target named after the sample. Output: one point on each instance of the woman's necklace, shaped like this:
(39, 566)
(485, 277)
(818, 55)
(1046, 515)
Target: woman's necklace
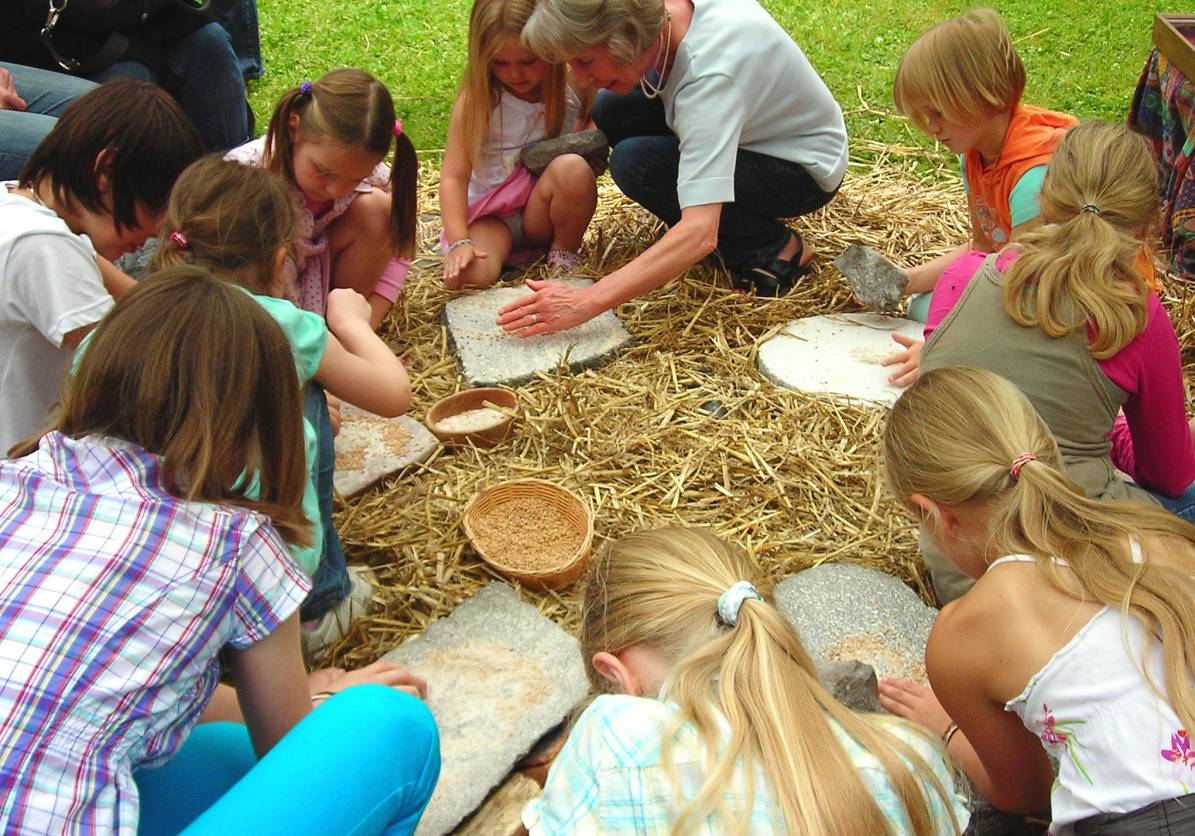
(650, 90)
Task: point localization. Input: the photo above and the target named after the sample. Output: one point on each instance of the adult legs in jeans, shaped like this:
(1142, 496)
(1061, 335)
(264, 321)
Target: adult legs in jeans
(364, 762)
(645, 164)
(46, 96)
(331, 583)
(201, 71)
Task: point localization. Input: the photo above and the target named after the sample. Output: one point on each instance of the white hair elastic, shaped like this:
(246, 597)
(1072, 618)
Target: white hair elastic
(732, 599)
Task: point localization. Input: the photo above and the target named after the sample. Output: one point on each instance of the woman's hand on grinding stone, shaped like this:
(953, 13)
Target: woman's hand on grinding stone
(551, 308)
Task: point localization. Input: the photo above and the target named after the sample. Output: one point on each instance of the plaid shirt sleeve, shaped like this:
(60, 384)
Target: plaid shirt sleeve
(269, 586)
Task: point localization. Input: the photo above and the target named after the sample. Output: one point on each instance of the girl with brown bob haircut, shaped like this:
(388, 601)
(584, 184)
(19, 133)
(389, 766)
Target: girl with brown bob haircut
(328, 140)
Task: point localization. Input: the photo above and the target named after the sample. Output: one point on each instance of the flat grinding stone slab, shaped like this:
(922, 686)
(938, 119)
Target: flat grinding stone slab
(837, 355)
(500, 674)
(370, 448)
(491, 357)
(843, 611)
(877, 282)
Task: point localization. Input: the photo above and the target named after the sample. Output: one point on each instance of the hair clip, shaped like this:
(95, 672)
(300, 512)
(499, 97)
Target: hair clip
(1019, 462)
(1090, 207)
(305, 88)
(397, 128)
(180, 240)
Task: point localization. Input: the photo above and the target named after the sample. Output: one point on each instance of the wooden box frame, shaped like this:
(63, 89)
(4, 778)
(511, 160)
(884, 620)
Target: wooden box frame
(1170, 41)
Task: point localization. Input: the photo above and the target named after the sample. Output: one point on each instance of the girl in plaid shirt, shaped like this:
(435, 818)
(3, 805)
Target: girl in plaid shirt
(130, 558)
(718, 723)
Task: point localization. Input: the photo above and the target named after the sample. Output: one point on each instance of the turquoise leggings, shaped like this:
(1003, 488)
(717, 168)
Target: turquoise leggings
(364, 762)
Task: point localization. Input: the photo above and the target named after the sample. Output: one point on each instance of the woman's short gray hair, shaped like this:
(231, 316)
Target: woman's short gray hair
(559, 30)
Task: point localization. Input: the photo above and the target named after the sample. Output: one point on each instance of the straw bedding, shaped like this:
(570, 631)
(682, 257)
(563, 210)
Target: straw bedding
(680, 429)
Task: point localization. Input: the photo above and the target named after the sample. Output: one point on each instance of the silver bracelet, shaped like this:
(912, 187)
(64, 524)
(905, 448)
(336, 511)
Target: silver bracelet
(459, 242)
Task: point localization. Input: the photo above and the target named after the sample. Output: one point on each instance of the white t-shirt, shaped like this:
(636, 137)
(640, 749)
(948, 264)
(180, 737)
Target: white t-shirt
(739, 81)
(50, 285)
(513, 124)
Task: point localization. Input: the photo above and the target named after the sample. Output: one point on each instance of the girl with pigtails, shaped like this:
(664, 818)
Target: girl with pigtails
(718, 723)
(1078, 636)
(328, 140)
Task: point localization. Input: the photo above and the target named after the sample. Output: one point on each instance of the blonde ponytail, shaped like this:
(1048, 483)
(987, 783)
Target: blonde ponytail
(952, 436)
(1098, 202)
(661, 588)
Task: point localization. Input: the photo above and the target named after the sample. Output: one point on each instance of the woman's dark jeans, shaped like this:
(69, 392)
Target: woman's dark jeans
(645, 161)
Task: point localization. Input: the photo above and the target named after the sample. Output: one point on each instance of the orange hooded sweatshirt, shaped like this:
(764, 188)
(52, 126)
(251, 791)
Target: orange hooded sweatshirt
(1033, 134)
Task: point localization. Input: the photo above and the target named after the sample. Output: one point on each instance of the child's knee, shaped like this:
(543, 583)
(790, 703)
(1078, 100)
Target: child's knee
(571, 175)
(369, 215)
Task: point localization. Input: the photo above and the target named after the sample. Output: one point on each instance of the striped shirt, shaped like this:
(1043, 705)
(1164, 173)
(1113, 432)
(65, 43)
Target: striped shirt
(609, 778)
(115, 598)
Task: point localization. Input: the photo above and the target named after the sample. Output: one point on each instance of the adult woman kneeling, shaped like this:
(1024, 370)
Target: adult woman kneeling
(720, 127)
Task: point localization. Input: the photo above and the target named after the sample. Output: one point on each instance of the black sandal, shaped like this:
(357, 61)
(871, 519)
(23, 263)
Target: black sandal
(778, 276)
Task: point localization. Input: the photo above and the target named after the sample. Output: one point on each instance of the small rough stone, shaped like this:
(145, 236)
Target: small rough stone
(370, 448)
(852, 683)
(837, 356)
(500, 675)
(490, 356)
(136, 263)
(877, 282)
(591, 144)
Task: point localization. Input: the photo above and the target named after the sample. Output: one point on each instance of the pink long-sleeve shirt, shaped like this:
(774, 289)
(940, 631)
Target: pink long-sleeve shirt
(1151, 440)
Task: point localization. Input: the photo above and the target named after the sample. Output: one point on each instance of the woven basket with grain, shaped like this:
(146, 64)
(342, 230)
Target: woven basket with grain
(531, 530)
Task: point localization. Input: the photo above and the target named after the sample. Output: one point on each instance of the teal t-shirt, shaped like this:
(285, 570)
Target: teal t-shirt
(1022, 201)
(308, 337)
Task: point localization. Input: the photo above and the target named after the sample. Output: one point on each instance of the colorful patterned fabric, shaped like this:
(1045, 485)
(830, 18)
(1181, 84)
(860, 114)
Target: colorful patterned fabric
(115, 598)
(609, 778)
(1163, 110)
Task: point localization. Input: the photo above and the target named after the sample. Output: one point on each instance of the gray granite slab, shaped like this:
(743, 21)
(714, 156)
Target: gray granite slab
(591, 144)
(500, 674)
(370, 448)
(837, 356)
(491, 357)
(877, 282)
(848, 612)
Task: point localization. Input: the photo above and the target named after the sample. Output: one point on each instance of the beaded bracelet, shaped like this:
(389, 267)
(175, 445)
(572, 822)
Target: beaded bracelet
(459, 242)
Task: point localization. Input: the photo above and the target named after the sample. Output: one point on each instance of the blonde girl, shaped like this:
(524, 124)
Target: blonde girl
(240, 222)
(132, 561)
(494, 210)
(718, 723)
(1069, 319)
(961, 83)
(1078, 637)
(328, 140)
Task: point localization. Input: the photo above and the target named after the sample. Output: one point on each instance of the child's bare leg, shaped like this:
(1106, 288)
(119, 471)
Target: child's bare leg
(359, 246)
(492, 237)
(561, 204)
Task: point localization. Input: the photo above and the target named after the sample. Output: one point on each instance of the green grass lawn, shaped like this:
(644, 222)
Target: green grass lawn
(1081, 58)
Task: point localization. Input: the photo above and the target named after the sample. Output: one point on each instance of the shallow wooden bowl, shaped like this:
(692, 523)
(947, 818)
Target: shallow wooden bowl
(473, 399)
(571, 507)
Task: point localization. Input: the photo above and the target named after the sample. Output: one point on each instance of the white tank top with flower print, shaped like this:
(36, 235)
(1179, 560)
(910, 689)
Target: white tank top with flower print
(1118, 744)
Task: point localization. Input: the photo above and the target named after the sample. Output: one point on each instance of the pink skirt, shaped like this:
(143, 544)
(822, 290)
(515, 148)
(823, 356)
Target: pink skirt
(505, 199)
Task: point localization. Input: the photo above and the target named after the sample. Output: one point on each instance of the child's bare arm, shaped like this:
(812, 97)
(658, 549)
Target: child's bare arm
(923, 277)
(454, 202)
(357, 365)
(116, 282)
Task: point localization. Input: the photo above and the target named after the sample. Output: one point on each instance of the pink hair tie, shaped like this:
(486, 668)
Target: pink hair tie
(180, 239)
(1019, 462)
(397, 128)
